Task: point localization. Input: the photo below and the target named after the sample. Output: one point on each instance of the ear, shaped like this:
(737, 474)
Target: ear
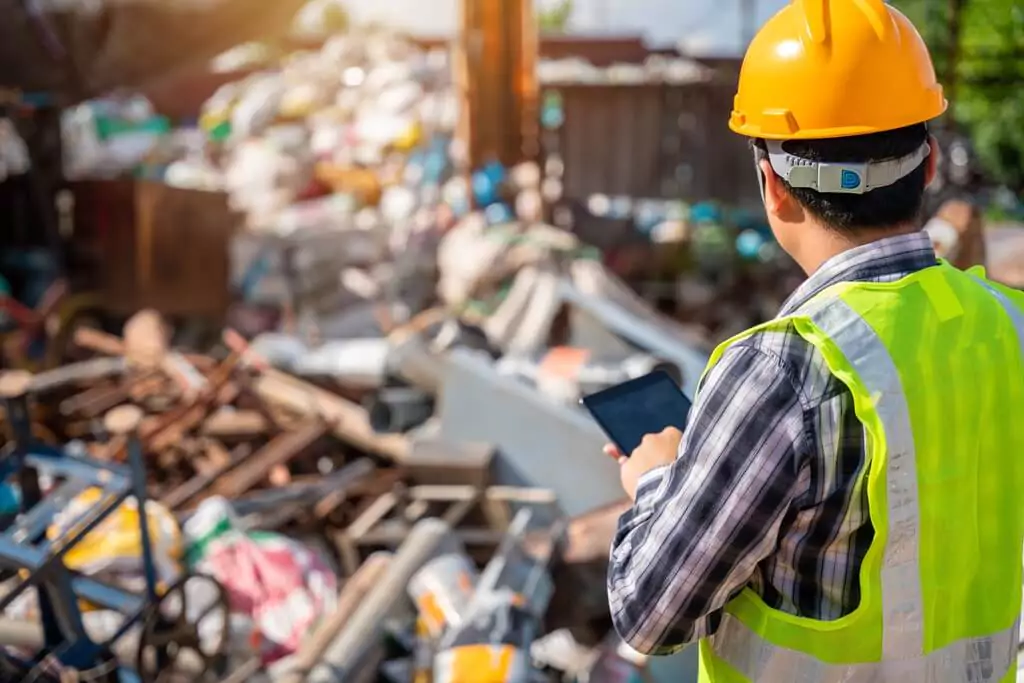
(776, 200)
(932, 162)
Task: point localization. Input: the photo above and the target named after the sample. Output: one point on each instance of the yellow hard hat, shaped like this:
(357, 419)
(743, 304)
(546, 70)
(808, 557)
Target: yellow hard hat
(835, 68)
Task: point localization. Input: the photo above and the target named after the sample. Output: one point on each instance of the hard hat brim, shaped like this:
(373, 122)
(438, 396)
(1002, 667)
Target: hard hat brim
(740, 125)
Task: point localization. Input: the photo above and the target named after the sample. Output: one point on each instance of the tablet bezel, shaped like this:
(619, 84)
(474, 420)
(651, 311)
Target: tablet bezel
(627, 388)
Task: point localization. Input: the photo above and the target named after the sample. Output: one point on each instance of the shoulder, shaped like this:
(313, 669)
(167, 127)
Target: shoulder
(780, 351)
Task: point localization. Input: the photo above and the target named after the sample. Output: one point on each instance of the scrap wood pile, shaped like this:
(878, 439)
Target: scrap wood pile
(281, 490)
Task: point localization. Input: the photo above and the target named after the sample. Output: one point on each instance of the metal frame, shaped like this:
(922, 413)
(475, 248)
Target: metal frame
(23, 546)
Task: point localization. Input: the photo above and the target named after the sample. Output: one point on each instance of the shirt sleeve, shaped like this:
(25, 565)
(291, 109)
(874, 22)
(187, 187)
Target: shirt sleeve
(699, 527)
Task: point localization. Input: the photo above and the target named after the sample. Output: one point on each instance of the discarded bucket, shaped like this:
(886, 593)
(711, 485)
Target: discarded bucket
(482, 664)
(492, 645)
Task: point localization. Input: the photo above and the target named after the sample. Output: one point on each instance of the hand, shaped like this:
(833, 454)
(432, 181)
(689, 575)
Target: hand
(656, 450)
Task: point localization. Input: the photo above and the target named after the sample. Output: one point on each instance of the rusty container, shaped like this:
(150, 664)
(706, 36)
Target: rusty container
(157, 246)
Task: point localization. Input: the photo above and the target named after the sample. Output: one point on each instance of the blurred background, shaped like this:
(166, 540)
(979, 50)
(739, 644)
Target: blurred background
(352, 263)
(619, 106)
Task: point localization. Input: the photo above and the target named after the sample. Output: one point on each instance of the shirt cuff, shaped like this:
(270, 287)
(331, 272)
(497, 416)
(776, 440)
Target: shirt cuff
(643, 506)
(648, 484)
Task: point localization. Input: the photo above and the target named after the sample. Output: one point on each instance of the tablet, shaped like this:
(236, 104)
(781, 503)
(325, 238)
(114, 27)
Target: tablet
(646, 405)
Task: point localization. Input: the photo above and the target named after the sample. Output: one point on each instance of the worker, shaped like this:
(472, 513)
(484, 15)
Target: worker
(844, 504)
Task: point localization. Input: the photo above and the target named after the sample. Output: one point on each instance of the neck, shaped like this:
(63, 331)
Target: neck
(821, 244)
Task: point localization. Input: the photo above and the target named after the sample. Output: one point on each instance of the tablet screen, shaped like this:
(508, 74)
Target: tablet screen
(645, 405)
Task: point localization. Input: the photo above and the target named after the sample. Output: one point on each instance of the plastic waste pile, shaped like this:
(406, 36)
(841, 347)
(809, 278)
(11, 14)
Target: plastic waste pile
(345, 154)
(362, 125)
(279, 588)
(342, 164)
(344, 158)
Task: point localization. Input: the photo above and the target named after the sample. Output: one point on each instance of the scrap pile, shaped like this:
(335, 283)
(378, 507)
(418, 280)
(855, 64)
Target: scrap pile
(282, 492)
(370, 437)
(346, 157)
(380, 470)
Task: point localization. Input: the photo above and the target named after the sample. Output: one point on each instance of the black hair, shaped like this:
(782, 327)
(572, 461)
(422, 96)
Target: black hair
(885, 207)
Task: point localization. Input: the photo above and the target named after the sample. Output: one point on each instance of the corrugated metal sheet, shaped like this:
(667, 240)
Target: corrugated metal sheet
(653, 141)
(611, 140)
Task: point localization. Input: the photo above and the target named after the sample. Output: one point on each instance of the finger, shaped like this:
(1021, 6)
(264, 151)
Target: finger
(612, 451)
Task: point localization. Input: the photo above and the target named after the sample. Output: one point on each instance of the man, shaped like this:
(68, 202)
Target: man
(844, 505)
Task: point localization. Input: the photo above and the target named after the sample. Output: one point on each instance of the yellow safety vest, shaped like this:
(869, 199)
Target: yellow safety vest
(935, 363)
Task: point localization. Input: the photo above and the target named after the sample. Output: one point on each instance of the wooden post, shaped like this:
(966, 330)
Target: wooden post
(495, 70)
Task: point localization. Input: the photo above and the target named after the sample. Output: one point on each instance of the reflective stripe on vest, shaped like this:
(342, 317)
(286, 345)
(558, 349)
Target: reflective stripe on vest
(1015, 315)
(985, 659)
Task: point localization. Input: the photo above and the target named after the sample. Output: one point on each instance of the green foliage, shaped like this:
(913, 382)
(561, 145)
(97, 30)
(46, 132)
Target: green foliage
(555, 18)
(987, 97)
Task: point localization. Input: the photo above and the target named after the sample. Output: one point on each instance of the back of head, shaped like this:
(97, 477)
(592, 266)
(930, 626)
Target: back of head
(882, 207)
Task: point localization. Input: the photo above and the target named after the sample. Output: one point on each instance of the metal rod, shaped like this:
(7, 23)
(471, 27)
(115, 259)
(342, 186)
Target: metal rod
(52, 553)
(124, 421)
(351, 596)
(183, 495)
(304, 495)
(14, 389)
(361, 634)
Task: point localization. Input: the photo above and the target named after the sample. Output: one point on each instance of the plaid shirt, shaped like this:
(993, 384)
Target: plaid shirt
(767, 490)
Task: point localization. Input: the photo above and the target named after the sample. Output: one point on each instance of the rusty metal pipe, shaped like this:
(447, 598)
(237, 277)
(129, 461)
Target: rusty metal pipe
(187, 492)
(274, 508)
(282, 449)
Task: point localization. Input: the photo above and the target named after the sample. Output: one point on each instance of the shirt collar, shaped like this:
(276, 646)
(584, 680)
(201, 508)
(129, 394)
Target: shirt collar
(898, 255)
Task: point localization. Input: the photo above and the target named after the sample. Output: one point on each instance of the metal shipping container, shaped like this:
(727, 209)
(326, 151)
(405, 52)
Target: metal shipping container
(652, 141)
